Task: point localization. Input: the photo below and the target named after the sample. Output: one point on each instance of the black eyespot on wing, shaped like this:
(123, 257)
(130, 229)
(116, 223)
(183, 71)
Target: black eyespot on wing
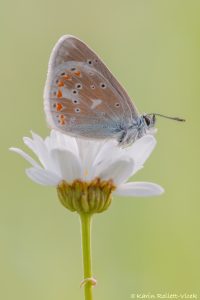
(78, 85)
(75, 101)
(103, 85)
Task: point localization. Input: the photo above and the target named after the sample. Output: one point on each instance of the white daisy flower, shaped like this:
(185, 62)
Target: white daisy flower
(68, 160)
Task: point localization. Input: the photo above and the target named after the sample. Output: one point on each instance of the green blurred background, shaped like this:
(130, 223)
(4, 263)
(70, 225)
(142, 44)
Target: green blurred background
(139, 245)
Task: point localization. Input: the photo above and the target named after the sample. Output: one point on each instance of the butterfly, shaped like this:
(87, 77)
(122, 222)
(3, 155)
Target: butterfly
(83, 99)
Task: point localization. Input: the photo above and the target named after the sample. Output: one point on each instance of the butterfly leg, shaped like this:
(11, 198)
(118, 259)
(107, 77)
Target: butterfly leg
(122, 137)
(128, 136)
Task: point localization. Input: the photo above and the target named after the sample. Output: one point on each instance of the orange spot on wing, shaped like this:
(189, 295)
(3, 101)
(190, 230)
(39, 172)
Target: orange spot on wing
(59, 94)
(59, 106)
(62, 119)
(67, 77)
(77, 73)
(60, 83)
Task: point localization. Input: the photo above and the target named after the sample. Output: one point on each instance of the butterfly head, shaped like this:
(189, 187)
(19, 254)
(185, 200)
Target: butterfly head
(149, 120)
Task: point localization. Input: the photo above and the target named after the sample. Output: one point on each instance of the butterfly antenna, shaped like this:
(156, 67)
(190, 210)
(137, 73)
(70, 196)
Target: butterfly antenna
(168, 117)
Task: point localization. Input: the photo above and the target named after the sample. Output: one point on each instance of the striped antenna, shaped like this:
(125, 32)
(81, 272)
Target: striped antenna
(168, 117)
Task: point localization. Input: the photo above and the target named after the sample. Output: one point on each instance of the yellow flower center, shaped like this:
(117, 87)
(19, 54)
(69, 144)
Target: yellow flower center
(88, 197)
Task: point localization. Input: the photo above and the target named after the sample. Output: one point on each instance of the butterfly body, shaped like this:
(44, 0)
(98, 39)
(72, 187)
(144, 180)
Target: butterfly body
(82, 98)
(142, 125)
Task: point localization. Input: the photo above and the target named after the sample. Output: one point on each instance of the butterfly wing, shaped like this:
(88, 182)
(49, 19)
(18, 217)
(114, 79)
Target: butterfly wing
(81, 96)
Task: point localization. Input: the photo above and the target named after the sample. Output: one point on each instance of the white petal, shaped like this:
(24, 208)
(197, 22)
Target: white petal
(109, 150)
(40, 150)
(141, 149)
(118, 171)
(67, 164)
(43, 177)
(61, 141)
(31, 144)
(25, 156)
(88, 150)
(37, 145)
(139, 189)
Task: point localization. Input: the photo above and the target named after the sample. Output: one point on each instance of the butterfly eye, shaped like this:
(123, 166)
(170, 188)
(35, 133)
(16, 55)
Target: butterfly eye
(102, 85)
(74, 92)
(79, 86)
(77, 110)
(89, 61)
(147, 120)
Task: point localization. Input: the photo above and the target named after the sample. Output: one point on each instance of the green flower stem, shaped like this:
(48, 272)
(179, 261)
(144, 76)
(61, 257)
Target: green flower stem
(86, 248)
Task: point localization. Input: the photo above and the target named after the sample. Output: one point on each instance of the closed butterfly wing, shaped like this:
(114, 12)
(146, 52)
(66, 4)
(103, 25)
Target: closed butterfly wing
(82, 97)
